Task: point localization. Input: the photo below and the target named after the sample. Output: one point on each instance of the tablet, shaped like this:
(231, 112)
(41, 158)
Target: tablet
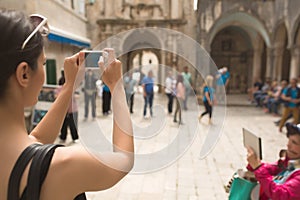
(251, 140)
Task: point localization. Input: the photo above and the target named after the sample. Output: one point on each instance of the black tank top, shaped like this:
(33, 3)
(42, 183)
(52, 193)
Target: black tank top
(41, 156)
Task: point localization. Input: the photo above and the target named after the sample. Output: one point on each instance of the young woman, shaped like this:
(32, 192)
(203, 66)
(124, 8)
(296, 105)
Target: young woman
(180, 95)
(208, 98)
(280, 180)
(73, 170)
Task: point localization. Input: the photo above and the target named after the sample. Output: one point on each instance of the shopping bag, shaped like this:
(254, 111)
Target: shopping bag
(241, 188)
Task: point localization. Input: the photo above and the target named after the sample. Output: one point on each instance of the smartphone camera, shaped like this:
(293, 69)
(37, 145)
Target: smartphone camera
(92, 58)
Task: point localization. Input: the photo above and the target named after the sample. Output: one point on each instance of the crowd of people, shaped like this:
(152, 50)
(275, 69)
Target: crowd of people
(178, 87)
(279, 99)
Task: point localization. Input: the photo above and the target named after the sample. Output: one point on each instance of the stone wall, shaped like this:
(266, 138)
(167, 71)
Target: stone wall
(270, 28)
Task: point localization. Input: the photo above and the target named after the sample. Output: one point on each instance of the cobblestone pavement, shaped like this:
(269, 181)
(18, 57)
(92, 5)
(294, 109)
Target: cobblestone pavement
(191, 178)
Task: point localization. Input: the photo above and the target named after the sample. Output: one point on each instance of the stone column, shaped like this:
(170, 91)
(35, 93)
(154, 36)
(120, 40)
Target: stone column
(118, 6)
(295, 62)
(140, 60)
(270, 66)
(125, 59)
(277, 73)
(176, 9)
(256, 73)
(109, 9)
(203, 56)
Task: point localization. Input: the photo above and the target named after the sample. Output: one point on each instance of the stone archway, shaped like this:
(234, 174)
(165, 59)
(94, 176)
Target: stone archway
(138, 41)
(232, 47)
(257, 40)
(295, 51)
(242, 19)
(143, 51)
(282, 56)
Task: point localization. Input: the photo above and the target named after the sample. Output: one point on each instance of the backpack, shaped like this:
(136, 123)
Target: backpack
(41, 156)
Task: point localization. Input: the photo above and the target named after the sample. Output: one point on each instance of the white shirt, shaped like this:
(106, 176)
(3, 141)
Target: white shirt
(169, 85)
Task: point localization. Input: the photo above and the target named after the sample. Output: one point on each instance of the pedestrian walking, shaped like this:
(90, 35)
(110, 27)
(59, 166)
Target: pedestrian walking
(208, 98)
(90, 91)
(180, 96)
(170, 85)
(129, 84)
(291, 95)
(148, 93)
(187, 80)
(106, 100)
(222, 82)
(71, 118)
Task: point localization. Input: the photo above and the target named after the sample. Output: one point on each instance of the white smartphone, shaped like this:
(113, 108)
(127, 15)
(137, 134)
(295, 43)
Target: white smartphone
(92, 58)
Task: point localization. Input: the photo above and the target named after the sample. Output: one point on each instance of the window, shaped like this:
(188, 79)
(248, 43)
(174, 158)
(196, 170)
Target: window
(51, 72)
(81, 4)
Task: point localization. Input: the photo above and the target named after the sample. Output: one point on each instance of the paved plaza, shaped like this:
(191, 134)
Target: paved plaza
(190, 178)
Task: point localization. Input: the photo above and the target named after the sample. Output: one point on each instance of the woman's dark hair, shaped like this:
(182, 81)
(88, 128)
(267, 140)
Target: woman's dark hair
(292, 129)
(15, 28)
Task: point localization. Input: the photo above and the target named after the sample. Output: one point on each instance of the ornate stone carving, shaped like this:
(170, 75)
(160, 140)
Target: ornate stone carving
(138, 9)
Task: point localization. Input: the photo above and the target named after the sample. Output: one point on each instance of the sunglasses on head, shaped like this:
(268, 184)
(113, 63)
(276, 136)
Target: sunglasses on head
(40, 24)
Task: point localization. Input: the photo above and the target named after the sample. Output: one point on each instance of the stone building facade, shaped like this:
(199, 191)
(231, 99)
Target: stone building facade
(139, 48)
(68, 32)
(254, 39)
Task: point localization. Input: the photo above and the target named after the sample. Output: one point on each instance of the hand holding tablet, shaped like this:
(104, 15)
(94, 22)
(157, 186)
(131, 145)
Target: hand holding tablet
(253, 141)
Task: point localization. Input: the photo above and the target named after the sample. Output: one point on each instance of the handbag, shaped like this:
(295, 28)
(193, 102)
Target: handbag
(241, 186)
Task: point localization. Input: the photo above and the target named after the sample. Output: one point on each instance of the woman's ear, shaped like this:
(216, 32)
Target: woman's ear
(22, 74)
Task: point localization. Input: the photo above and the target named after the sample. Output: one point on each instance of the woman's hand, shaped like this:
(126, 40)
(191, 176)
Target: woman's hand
(252, 158)
(112, 73)
(72, 66)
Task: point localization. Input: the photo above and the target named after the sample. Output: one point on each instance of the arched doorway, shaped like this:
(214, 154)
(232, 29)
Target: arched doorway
(252, 34)
(295, 57)
(142, 53)
(232, 48)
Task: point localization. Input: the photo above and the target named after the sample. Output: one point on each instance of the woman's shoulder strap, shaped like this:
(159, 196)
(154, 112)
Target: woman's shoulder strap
(38, 170)
(41, 156)
(18, 169)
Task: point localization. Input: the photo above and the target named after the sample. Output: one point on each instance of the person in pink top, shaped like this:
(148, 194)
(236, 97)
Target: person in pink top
(280, 180)
(180, 96)
(71, 118)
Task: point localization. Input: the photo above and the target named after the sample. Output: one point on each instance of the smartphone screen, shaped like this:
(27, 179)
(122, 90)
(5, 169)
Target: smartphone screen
(92, 58)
